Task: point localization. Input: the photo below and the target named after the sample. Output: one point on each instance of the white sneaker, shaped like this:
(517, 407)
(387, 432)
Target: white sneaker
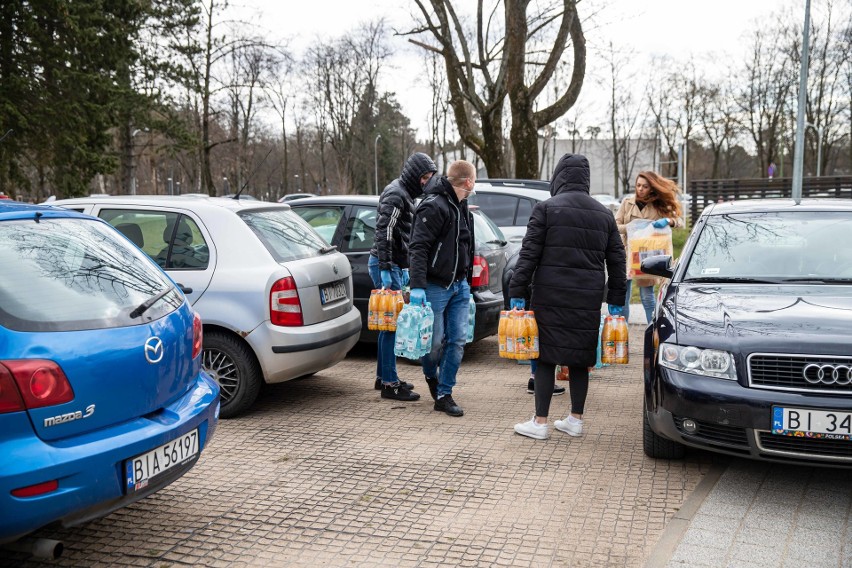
(532, 430)
(571, 426)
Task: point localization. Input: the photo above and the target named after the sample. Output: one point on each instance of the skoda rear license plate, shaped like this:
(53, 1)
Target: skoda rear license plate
(142, 469)
(810, 423)
(333, 292)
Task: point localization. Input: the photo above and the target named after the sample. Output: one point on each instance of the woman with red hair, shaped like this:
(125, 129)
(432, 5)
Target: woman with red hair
(656, 200)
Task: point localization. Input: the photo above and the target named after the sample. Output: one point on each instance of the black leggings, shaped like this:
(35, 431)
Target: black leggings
(545, 379)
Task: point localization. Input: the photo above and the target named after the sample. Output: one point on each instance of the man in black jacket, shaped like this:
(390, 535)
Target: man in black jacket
(388, 262)
(441, 258)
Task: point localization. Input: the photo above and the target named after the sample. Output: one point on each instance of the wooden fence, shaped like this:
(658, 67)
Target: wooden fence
(707, 191)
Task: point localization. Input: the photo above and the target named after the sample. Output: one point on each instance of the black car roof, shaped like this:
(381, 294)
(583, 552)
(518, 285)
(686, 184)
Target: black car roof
(777, 205)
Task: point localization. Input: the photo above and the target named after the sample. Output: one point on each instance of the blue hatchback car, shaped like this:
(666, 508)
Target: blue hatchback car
(102, 396)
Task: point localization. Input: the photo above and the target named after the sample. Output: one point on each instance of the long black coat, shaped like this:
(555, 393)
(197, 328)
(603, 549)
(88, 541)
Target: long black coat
(569, 239)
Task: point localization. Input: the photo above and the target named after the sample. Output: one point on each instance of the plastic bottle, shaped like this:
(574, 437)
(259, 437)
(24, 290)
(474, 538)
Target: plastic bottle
(426, 325)
(608, 342)
(471, 319)
(501, 332)
(562, 373)
(521, 333)
(372, 310)
(412, 336)
(532, 337)
(511, 319)
(396, 304)
(598, 362)
(622, 347)
(403, 330)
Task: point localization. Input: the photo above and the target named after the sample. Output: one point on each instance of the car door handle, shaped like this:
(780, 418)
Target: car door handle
(184, 289)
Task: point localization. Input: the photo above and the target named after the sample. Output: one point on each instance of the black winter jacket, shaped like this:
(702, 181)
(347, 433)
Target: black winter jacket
(396, 211)
(569, 239)
(440, 251)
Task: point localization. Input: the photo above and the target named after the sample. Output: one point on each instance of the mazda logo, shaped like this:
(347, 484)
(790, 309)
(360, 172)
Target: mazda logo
(828, 374)
(154, 350)
(334, 267)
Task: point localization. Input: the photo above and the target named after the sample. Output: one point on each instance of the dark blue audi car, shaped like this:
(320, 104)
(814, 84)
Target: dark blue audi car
(102, 396)
(750, 349)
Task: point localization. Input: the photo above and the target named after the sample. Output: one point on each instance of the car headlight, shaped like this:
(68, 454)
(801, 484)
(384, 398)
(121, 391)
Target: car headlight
(689, 359)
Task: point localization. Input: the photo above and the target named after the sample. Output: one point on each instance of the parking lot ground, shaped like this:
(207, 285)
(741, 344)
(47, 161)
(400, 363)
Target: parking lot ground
(323, 472)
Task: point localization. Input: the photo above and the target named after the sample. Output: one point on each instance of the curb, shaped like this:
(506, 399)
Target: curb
(677, 526)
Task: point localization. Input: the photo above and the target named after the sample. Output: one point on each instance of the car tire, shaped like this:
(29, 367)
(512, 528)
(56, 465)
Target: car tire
(658, 447)
(232, 364)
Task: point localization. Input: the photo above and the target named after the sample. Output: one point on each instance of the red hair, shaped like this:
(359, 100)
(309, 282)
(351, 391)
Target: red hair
(663, 194)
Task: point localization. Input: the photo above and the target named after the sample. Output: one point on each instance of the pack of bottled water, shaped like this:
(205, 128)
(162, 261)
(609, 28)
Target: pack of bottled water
(414, 331)
(471, 319)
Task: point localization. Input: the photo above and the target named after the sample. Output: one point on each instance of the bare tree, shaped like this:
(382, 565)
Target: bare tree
(624, 115)
(514, 57)
(717, 118)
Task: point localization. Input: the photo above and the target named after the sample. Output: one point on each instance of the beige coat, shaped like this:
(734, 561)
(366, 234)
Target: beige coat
(628, 212)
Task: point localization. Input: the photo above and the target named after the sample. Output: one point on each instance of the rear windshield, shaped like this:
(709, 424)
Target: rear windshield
(284, 234)
(74, 274)
(485, 231)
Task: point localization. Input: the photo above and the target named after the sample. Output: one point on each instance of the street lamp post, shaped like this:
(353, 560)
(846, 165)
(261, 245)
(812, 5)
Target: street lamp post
(819, 145)
(799, 147)
(376, 160)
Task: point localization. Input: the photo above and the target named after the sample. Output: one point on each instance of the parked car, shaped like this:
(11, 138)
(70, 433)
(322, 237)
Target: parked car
(608, 200)
(509, 203)
(748, 351)
(349, 223)
(275, 299)
(103, 400)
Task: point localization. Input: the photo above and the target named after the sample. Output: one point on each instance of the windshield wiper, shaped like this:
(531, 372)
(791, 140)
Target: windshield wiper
(733, 280)
(817, 280)
(143, 307)
(328, 249)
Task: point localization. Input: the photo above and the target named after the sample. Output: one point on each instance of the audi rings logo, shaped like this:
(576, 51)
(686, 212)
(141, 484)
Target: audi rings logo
(154, 350)
(828, 374)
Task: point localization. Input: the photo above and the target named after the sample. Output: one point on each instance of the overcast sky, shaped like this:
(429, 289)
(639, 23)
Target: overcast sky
(650, 27)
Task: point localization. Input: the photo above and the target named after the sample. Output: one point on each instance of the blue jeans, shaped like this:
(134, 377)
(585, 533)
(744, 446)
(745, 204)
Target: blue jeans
(450, 306)
(646, 294)
(385, 359)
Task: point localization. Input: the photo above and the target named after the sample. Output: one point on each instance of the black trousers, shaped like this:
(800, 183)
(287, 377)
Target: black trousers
(545, 379)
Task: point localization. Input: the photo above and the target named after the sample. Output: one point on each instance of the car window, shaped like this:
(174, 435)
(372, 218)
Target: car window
(360, 230)
(522, 217)
(284, 234)
(499, 208)
(75, 274)
(324, 220)
(173, 240)
(485, 231)
(780, 245)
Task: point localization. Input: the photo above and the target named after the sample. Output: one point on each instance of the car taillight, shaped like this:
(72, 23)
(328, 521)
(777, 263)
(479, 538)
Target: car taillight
(10, 398)
(40, 383)
(480, 272)
(284, 305)
(197, 335)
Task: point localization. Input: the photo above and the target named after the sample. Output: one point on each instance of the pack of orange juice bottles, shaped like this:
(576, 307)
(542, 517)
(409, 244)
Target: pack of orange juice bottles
(517, 334)
(614, 341)
(383, 308)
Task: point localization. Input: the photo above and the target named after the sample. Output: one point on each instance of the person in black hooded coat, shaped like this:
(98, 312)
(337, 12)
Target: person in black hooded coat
(570, 238)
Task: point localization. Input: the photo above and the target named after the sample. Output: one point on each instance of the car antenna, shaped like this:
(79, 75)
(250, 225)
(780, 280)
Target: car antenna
(248, 179)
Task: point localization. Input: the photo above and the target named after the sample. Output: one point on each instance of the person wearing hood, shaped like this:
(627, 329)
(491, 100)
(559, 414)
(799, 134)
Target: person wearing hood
(441, 256)
(388, 262)
(570, 238)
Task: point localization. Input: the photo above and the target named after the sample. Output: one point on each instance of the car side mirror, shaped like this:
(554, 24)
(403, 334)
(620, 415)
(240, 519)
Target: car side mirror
(660, 265)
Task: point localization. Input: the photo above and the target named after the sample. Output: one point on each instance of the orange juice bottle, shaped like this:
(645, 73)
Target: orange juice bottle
(510, 334)
(562, 373)
(532, 338)
(501, 332)
(373, 310)
(608, 341)
(521, 348)
(399, 303)
(388, 311)
(621, 343)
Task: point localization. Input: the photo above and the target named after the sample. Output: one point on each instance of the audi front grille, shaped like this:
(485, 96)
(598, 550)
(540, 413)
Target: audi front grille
(801, 373)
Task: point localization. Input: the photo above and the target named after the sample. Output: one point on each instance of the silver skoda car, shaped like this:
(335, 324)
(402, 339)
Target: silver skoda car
(275, 300)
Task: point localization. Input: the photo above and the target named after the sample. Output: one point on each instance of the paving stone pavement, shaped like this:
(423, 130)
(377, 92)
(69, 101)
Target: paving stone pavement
(323, 472)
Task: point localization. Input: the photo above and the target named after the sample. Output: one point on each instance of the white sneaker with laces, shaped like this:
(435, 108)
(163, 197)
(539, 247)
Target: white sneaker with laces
(531, 429)
(571, 426)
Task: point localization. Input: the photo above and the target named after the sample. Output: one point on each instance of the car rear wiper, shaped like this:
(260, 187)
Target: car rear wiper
(143, 307)
(328, 249)
(734, 280)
